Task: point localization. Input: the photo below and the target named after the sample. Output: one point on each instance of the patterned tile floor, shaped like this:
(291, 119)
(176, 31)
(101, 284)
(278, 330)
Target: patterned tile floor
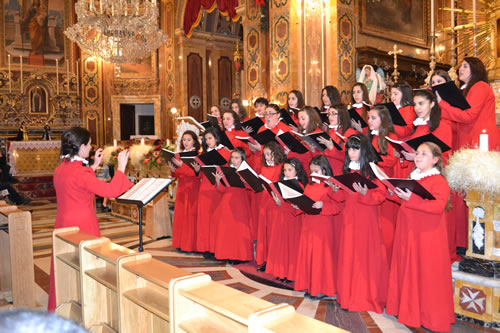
(125, 233)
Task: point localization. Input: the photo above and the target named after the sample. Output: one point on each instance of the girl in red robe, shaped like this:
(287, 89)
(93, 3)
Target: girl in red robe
(420, 282)
(362, 261)
(208, 197)
(76, 185)
(271, 161)
(286, 225)
(295, 104)
(402, 97)
(184, 228)
(481, 116)
(238, 108)
(232, 128)
(339, 129)
(233, 241)
(360, 102)
(315, 271)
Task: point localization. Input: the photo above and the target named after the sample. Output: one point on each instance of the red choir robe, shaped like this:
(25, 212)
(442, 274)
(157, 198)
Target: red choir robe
(315, 271)
(408, 114)
(420, 282)
(279, 126)
(185, 209)
(305, 158)
(232, 134)
(471, 122)
(208, 199)
(362, 264)
(283, 240)
(233, 239)
(262, 224)
(75, 187)
(365, 118)
(388, 209)
(336, 157)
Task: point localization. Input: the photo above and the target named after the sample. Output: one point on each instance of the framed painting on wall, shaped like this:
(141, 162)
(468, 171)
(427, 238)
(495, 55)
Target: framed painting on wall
(34, 30)
(407, 23)
(142, 69)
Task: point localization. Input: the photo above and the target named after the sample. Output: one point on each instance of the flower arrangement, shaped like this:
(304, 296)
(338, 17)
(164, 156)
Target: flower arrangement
(154, 158)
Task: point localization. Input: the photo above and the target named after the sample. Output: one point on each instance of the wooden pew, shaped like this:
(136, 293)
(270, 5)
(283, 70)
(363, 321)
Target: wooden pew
(98, 276)
(143, 287)
(17, 273)
(66, 253)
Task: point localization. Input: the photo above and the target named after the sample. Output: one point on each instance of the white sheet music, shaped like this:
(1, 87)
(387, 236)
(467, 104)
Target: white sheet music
(244, 166)
(287, 192)
(146, 189)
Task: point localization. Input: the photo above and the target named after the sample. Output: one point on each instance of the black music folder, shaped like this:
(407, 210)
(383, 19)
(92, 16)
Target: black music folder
(169, 155)
(224, 140)
(287, 118)
(212, 157)
(355, 115)
(230, 177)
(411, 145)
(209, 171)
(312, 139)
(346, 181)
(396, 117)
(292, 143)
(255, 124)
(250, 177)
(301, 200)
(451, 94)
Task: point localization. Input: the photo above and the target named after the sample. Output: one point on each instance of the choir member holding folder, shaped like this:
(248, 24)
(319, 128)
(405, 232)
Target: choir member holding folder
(362, 259)
(339, 129)
(208, 196)
(295, 103)
(402, 97)
(233, 241)
(329, 96)
(420, 282)
(76, 185)
(481, 114)
(271, 160)
(285, 226)
(186, 199)
(360, 103)
(232, 128)
(316, 268)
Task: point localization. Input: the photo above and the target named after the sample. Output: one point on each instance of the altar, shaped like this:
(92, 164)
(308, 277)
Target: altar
(29, 158)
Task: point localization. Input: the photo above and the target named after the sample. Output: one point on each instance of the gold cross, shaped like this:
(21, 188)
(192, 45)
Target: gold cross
(395, 52)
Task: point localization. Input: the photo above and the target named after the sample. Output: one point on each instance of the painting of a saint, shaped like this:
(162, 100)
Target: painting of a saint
(35, 23)
(38, 102)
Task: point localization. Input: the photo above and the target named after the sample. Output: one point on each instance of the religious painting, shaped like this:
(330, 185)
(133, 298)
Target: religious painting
(146, 125)
(34, 31)
(142, 68)
(38, 100)
(407, 23)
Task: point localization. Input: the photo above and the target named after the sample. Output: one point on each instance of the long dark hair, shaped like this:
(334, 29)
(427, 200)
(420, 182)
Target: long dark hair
(366, 154)
(322, 162)
(477, 72)
(333, 94)
(72, 140)
(242, 112)
(300, 99)
(314, 120)
(299, 170)
(237, 123)
(441, 73)
(195, 139)
(344, 120)
(435, 115)
(276, 150)
(406, 91)
(384, 130)
(240, 151)
(215, 133)
(366, 98)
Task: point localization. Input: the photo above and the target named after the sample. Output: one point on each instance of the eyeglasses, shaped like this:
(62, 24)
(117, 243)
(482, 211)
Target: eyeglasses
(270, 114)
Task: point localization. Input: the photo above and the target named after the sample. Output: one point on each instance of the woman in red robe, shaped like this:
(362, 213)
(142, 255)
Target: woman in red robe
(208, 197)
(315, 270)
(402, 97)
(380, 125)
(232, 128)
(286, 225)
(360, 102)
(186, 199)
(233, 240)
(420, 282)
(362, 261)
(481, 116)
(76, 185)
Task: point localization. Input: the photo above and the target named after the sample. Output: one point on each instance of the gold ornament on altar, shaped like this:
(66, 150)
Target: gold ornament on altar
(118, 31)
(238, 58)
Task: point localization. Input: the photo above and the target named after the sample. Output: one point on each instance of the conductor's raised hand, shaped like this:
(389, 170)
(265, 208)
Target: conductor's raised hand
(97, 159)
(123, 160)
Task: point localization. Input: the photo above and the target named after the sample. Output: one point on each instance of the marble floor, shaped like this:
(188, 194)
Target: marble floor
(125, 233)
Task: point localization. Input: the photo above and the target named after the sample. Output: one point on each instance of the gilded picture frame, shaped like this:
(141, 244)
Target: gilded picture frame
(408, 21)
(142, 69)
(18, 38)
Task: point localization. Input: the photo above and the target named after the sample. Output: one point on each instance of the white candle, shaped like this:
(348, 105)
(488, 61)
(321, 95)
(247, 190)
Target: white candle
(10, 81)
(142, 141)
(168, 142)
(452, 15)
(432, 18)
(67, 75)
(77, 77)
(483, 141)
(21, 69)
(57, 76)
(115, 144)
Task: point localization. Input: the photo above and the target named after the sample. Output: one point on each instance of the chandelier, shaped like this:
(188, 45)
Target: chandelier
(118, 31)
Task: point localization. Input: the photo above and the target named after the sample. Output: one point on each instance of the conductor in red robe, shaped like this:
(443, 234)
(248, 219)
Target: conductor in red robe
(76, 185)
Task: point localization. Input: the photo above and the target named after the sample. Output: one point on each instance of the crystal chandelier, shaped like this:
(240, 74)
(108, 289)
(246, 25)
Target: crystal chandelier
(118, 31)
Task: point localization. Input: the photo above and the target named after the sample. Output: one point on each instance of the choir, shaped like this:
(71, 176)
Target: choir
(316, 214)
